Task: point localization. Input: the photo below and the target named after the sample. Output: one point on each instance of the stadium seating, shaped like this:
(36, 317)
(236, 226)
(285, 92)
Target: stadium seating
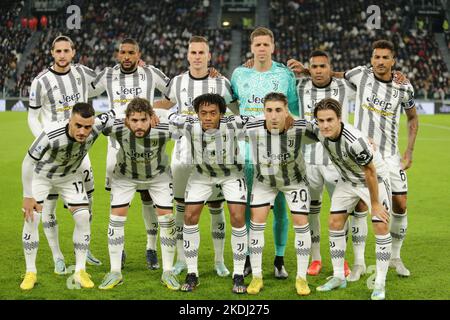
(300, 27)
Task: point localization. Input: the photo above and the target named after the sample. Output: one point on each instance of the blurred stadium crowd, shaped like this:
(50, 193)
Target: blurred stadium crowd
(163, 29)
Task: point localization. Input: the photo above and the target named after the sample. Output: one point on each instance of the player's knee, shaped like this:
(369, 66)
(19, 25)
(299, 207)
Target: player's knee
(336, 222)
(399, 207)
(361, 206)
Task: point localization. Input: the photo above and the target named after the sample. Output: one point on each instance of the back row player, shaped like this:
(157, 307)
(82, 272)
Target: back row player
(53, 93)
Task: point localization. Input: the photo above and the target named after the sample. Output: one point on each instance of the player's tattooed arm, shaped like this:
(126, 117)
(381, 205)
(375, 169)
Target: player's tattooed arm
(163, 104)
(370, 175)
(399, 78)
(413, 127)
(214, 73)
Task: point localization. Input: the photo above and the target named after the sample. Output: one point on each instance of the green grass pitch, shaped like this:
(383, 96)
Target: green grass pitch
(425, 251)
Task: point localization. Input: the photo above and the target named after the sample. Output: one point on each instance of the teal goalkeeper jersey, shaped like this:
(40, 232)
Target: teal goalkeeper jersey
(250, 86)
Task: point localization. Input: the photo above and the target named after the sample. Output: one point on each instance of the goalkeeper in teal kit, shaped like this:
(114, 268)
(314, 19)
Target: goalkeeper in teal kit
(250, 85)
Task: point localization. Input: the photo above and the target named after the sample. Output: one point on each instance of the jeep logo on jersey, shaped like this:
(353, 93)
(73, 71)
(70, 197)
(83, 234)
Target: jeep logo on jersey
(72, 98)
(255, 99)
(136, 91)
(136, 155)
(274, 156)
(378, 102)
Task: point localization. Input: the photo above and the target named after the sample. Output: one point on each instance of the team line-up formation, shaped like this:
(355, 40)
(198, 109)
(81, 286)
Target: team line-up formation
(274, 136)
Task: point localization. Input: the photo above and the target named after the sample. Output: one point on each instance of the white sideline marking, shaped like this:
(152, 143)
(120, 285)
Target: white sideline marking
(434, 126)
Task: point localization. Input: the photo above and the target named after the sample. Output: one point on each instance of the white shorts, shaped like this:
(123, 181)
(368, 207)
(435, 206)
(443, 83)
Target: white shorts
(297, 196)
(320, 176)
(346, 197)
(181, 172)
(85, 170)
(399, 181)
(159, 187)
(200, 188)
(71, 188)
(111, 159)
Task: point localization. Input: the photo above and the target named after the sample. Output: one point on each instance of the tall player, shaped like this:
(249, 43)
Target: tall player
(320, 170)
(123, 83)
(51, 165)
(53, 93)
(182, 90)
(378, 106)
(250, 85)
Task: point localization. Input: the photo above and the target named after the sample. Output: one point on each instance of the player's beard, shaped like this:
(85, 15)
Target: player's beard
(130, 68)
(62, 66)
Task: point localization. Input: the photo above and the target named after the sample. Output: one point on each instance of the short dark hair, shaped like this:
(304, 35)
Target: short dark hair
(319, 53)
(328, 104)
(63, 38)
(275, 96)
(208, 99)
(138, 105)
(130, 41)
(384, 44)
(83, 109)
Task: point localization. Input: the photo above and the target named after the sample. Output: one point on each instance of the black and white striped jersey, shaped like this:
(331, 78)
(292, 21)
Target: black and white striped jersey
(140, 158)
(57, 154)
(214, 152)
(123, 87)
(184, 88)
(56, 93)
(309, 94)
(349, 152)
(277, 157)
(378, 107)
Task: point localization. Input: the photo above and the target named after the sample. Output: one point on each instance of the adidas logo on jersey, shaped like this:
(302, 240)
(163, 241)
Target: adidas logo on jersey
(304, 207)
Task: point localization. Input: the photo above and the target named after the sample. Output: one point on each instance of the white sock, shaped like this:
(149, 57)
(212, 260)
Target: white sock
(256, 247)
(167, 240)
(359, 236)
(191, 237)
(151, 224)
(302, 248)
(51, 229)
(337, 252)
(81, 237)
(30, 241)
(218, 227)
(399, 226)
(314, 223)
(179, 222)
(383, 249)
(239, 246)
(116, 241)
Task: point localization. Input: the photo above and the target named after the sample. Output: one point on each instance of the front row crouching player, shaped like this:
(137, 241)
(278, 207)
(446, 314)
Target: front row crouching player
(213, 145)
(142, 164)
(276, 147)
(55, 156)
(365, 176)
